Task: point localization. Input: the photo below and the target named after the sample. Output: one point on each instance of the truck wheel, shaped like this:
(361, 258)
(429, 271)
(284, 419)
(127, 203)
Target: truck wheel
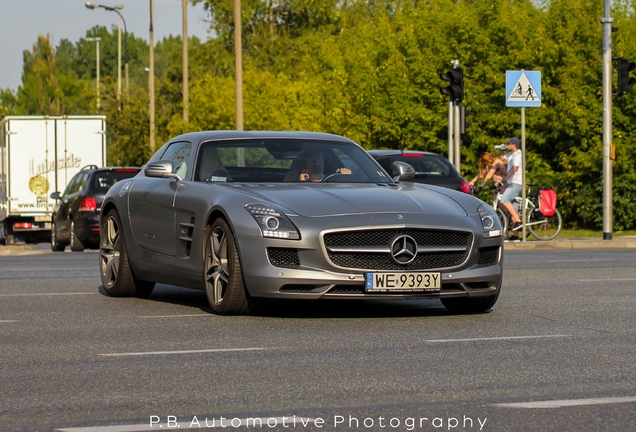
(76, 244)
(117, 277)
(55, 246)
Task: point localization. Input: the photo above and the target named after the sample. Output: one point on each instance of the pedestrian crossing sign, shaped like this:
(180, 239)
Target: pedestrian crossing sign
(523, 88)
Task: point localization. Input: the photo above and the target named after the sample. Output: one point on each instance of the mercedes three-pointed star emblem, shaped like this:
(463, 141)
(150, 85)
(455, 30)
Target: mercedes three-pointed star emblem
(403, 249)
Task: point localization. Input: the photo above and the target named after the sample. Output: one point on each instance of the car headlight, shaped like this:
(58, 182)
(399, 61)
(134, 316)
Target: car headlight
(273, 223)
(489, 221)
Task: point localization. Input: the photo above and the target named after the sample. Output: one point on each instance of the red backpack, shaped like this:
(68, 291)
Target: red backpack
(547, 202)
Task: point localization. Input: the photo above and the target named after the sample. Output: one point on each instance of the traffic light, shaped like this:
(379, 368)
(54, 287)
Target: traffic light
(463, 124)
(624, 80)
(455, 89)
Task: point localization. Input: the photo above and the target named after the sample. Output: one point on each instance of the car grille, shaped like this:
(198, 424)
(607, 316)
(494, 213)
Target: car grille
(488, 255)
(359, 289)
(283, 257)
(478, 285)
(371, 249)
(297, 287)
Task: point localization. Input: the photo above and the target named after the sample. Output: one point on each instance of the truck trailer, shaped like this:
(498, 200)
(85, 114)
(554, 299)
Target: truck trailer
(38, 156)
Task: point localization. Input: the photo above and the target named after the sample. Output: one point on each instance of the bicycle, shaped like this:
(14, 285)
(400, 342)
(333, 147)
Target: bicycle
(540, 226)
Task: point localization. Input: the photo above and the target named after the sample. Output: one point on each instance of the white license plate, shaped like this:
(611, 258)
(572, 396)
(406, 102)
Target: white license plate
(408, 281)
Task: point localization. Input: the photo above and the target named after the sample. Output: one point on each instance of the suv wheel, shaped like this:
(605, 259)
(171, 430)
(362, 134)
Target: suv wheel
(76, 244)
(55, 246)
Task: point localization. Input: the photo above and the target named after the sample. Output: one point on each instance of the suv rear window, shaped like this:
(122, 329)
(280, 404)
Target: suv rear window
(422, 164)
(103, 180)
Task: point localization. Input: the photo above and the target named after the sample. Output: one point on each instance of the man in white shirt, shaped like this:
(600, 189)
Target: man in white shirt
(513, 182)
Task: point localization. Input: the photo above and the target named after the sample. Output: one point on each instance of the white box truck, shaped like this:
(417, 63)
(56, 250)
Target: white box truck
(38, 156)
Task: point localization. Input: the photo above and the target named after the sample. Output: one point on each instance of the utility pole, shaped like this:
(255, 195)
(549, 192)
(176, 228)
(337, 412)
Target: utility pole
(151, 77)
(184, 5)
(607, 122)
(238, 50)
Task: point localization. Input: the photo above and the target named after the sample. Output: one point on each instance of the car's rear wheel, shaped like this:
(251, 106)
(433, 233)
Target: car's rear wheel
(117, 277)
(224, 284)
(55, 246)
(75, 243)
(470, 305)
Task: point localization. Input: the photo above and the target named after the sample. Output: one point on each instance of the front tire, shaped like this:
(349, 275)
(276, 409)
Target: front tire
(224, 284)
(117, 277)
(470, 305)
(75, 243)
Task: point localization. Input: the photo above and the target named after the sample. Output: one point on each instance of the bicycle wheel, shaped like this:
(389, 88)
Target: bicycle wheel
(544, 227)
(503, 218)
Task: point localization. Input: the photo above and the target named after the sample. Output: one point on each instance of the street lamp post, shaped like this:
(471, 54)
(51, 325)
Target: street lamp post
(96, 40)
(116, 9)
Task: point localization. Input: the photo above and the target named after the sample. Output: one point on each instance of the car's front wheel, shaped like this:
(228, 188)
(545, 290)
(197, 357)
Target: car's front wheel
(223, 277)
(117, 277)
(470, 305)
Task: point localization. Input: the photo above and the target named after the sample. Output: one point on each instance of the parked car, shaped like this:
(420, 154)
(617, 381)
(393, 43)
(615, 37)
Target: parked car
(430, 168)
(242, 216)
(75, 219)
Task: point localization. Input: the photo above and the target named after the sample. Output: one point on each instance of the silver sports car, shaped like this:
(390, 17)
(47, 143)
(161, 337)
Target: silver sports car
(249, 215)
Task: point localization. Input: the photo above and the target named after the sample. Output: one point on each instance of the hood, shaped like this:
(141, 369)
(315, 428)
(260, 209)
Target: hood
(317, 200)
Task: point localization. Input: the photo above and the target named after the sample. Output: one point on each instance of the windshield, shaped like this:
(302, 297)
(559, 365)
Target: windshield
(286, 160)
(105, 179)
(422, 164)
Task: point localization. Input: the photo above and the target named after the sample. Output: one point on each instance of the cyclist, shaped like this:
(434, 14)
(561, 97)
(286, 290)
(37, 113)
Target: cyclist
(512, 181)
(492, 167)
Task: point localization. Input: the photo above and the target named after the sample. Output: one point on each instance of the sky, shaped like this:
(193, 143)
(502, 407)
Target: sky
(23, 20)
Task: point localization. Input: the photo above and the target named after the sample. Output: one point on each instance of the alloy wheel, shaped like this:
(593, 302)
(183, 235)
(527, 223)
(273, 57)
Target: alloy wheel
(218, 272)
(109, 251)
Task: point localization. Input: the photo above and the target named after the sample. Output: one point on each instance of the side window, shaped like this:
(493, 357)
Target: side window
(179, 154)
(81, 183)
(71, 184)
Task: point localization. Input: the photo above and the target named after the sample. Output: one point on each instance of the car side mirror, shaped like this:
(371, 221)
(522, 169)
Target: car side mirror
(55, 196)
(161, 169)
(402, 171)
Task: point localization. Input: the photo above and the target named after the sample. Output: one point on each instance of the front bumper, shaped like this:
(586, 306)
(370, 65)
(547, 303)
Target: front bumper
(311, 275)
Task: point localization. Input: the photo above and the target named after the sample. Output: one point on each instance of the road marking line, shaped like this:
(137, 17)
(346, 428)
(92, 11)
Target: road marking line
(6, 321)
(570, 402)
(494, 338)
(606, 280)
(211, 423)
(586, 260)
(45, 294)
(182, 352)
(176, 316)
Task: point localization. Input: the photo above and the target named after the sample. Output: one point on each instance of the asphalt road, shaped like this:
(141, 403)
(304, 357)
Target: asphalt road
(556, 353)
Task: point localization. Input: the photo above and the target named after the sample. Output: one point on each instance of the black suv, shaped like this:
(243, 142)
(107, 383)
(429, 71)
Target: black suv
(430, 168)
(76, 213)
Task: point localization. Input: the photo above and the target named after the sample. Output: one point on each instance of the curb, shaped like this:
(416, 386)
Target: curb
(16, 249)
(620, 243)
